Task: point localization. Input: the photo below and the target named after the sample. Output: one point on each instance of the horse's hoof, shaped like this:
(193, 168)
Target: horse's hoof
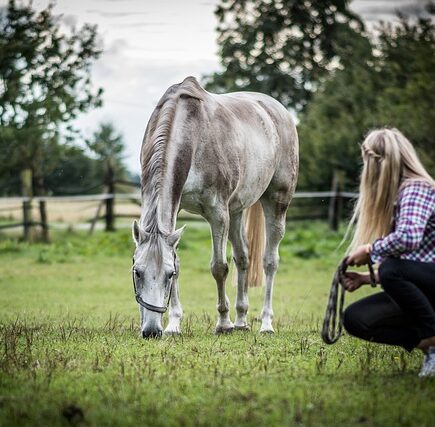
(242, 327)
(171, 332)
(224, 329)
(267, 331)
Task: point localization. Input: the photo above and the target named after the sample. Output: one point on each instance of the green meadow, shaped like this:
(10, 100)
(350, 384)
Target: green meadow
(71, 352)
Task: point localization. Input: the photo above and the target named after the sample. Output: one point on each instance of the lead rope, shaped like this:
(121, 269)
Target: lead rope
(332, 324)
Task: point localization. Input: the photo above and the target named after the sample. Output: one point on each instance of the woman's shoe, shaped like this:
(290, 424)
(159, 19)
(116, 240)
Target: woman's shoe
(428, 368)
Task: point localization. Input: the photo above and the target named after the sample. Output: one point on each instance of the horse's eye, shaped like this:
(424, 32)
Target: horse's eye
(172, 274)
(137, 273)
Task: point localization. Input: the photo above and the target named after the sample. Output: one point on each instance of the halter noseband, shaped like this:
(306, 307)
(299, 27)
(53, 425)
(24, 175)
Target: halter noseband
(151, 307)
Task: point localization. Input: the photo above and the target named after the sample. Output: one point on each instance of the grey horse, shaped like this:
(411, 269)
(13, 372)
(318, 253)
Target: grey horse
(225, 157)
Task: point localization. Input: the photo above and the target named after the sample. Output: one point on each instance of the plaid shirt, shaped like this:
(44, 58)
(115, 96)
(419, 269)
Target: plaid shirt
(413, 235)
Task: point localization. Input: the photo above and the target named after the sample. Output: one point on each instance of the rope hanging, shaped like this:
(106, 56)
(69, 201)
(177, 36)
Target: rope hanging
(333, 321)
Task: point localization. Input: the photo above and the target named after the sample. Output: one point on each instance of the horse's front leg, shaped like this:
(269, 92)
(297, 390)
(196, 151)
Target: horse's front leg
(175, 311)
(219, 222)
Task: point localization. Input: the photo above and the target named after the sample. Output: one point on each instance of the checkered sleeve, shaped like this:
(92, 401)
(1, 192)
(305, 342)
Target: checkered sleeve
(415, 205)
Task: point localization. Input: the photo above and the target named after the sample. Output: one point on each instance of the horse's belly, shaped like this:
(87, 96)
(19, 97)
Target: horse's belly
(236, 169)
(250, 189)
(199, 194)
(260, 161)
(192, 204)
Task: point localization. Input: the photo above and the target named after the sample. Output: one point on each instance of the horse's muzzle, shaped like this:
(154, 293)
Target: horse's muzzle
(152, 333)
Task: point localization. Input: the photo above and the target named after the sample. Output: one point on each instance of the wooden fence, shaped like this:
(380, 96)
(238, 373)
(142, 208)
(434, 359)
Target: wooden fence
(325, 205)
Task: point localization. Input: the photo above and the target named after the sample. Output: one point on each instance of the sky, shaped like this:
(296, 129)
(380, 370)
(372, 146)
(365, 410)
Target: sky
(152, 44)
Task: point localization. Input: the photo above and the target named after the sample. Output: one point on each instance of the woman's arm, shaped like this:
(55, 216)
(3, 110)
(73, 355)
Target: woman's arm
(354, 280)
(415, 206)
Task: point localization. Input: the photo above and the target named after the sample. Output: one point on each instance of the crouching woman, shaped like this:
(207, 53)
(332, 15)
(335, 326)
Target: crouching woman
(395, 228)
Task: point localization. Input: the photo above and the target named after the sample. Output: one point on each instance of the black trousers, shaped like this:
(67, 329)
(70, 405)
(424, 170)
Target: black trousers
(404, 313)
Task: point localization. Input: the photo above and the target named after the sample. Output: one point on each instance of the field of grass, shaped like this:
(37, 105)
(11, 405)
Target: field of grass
(71, 354)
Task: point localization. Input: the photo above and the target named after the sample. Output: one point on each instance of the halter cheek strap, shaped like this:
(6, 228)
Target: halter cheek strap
(151, 307)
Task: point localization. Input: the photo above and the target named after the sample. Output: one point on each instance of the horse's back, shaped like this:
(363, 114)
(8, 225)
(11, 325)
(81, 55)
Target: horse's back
(284, 178)
(240, 143)
(263, 115)
(287, 166)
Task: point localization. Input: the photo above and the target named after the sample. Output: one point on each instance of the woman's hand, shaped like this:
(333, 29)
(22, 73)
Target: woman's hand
(353, 280)
(360, 256)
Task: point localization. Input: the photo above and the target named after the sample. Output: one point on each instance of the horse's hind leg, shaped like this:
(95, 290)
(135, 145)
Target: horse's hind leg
(240, 254)
(274, 208)
(219, 222)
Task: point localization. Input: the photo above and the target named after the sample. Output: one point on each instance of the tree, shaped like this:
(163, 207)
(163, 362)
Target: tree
(108, 146)
(75, 173)
(408, 69)
(281, 47)
(384, 82)
(44, 84)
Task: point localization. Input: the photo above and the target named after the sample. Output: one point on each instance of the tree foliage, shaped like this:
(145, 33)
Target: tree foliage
(108, 146)
(388, 84)
(84, 171)
(45, 82)
(75, 173)
(280, 47)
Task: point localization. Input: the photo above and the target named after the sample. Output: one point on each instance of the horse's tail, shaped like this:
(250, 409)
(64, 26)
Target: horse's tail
(256, 234)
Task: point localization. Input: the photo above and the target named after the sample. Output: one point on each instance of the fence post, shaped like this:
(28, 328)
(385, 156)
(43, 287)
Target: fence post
(336, 201)
(40, 191)
(44, 224)
(26, 190)
(96, 217)
(110, 201)
(27, 220)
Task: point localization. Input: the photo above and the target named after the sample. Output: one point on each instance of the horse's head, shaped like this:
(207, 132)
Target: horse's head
(155, 267)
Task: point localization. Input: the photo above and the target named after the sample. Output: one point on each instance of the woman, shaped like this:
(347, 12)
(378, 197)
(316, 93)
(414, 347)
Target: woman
(395, 228)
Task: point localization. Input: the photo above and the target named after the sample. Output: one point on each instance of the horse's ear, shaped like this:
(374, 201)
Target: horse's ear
(175, 237)
(135, 232)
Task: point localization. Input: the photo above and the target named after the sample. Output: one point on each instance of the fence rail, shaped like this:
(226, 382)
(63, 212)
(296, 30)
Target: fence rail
(136, 196)
(304, 206)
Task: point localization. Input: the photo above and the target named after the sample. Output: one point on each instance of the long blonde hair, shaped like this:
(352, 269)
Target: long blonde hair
(390, 161)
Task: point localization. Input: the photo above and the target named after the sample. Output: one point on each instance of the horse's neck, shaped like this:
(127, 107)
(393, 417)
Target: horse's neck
(160, 203)
(155, 212)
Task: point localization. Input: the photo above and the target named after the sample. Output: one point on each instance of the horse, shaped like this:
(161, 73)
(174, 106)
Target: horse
(226, 157)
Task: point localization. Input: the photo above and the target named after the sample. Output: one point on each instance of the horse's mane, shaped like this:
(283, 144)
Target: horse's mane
(154, 146)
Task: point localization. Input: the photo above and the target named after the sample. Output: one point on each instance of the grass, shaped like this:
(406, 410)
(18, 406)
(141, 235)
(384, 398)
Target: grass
(71, 355)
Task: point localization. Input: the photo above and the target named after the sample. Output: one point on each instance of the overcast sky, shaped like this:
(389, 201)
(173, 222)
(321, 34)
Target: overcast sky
(151, 44)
